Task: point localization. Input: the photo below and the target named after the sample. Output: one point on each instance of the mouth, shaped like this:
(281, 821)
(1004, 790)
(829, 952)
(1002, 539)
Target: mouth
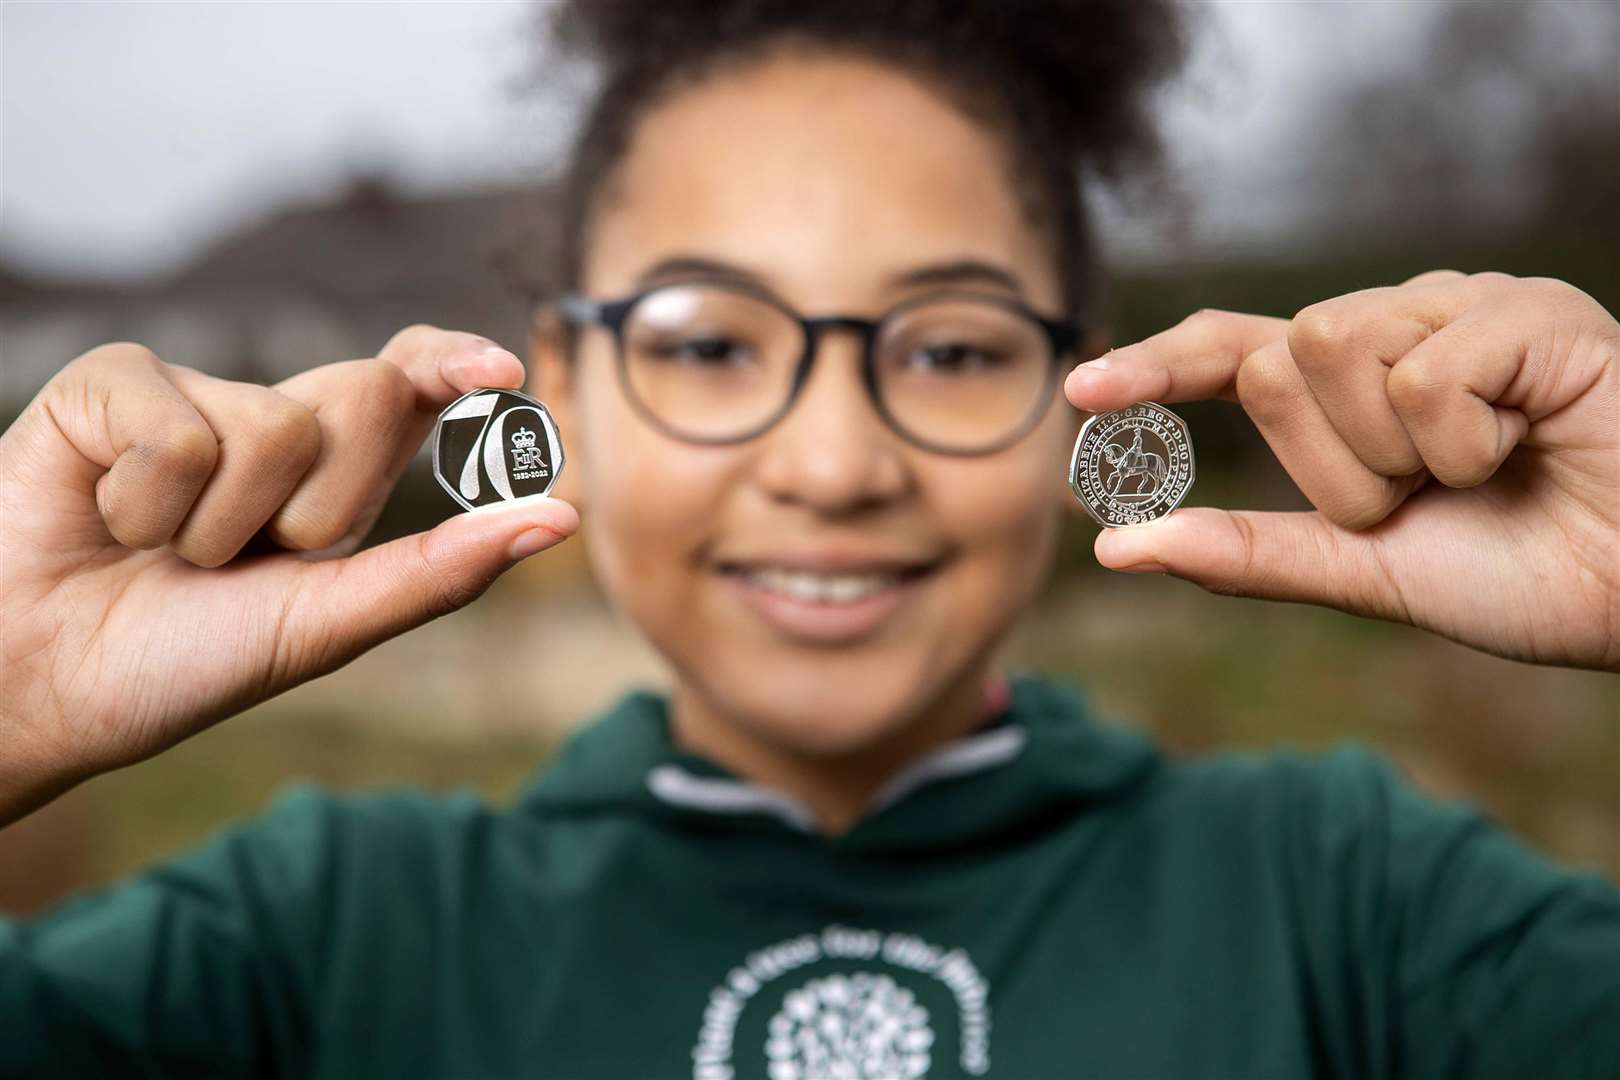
(831, 603)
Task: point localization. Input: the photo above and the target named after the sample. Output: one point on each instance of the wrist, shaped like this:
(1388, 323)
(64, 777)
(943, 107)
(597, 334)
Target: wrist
(29, 776)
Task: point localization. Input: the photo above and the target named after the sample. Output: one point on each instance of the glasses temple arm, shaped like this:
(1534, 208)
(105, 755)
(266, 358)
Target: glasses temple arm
(578, 309)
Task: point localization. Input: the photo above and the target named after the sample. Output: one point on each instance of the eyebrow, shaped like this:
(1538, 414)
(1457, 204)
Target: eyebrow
(951, 273)
(954, 272)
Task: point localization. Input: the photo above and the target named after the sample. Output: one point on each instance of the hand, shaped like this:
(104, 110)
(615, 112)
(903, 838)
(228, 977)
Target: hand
(1458, 435)
(127, 488)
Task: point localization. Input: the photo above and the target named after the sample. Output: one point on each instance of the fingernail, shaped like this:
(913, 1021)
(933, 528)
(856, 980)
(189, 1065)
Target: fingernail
(1102, 363)
(527, 543)
(521, 504)
(1142, 568)
(482, 351)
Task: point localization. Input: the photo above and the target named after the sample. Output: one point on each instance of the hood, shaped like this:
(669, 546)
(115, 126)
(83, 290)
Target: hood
(1040, 760)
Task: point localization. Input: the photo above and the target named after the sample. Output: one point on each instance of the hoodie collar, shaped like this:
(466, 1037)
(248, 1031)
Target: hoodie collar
(678, 787)
(1042, 757)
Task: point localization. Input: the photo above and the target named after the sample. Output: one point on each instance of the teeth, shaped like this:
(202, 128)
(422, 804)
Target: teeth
(819, 588)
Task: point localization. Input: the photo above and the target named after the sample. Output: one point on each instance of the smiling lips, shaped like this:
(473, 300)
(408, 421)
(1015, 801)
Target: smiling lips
(818, 587)
(836, 602)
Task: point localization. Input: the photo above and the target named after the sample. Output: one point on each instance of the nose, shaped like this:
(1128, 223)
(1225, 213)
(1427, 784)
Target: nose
(832, 452)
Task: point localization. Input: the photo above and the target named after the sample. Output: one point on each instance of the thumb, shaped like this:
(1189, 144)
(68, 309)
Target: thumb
(355, 603)
(1301, 557)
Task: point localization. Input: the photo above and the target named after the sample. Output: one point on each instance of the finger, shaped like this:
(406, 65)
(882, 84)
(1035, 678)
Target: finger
(360, 601)
(439, 366)
(1292, 556)
(444, 364)
(1194, 360)
(112, 426)
(267, 441)
(1345, 348)
(1445, 389)
(366, 410)
(1336, 481)
(1435, 277)
(1537, 332)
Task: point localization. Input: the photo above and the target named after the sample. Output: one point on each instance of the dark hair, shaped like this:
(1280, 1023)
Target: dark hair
(1065, 82)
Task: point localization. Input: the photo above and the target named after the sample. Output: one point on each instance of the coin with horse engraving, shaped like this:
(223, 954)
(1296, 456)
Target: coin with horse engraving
(1132, 465)
(493, 446)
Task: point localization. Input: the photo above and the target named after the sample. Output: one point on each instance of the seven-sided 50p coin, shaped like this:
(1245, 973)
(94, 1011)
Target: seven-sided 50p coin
(1132, 465)
(493, 446)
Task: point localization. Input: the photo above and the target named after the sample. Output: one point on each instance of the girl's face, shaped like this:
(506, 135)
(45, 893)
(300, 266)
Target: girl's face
(827, 179)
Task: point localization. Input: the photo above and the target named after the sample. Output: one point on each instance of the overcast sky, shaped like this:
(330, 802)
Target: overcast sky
(133, 133)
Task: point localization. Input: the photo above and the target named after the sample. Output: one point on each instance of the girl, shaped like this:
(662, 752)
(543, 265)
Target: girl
(830, 269)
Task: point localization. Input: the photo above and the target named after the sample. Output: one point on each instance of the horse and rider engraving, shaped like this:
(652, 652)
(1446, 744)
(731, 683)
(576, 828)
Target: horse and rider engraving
(1117, 479)
(1138, 473)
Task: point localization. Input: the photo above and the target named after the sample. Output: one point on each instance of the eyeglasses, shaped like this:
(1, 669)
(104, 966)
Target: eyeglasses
(953, 372)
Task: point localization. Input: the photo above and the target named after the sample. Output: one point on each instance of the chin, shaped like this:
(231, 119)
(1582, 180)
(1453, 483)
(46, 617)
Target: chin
(822, 706)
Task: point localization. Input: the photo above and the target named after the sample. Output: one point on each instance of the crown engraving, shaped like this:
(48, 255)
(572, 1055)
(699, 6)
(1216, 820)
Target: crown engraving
(522, 439)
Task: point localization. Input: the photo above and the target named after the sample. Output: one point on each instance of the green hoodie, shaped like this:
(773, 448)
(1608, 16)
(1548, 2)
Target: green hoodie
(1048, 897)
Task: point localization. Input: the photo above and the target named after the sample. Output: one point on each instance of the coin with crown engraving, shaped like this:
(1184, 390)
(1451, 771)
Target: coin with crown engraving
(492, 446)
(1132, 465)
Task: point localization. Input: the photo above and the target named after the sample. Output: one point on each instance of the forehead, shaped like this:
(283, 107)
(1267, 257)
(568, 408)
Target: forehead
(825, 174)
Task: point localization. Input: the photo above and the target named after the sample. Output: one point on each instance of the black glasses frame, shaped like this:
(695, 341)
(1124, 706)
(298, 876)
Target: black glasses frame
(1062, 335)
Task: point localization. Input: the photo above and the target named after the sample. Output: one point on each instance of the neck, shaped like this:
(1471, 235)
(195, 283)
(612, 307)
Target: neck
(838, 789)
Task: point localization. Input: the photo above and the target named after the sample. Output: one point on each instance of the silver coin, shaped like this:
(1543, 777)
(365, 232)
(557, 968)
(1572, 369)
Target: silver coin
(1132, 465)
(492, 446)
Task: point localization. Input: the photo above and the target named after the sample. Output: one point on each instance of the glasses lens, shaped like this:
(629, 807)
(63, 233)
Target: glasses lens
(710, 363)
(963, 374)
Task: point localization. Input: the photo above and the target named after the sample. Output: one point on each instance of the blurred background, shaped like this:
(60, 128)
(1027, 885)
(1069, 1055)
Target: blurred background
(253, 189)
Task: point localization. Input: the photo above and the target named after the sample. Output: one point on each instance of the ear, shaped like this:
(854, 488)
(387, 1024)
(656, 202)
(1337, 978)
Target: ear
(551, 375)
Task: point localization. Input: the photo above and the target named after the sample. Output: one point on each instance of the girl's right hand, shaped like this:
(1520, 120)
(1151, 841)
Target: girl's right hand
(128, 486)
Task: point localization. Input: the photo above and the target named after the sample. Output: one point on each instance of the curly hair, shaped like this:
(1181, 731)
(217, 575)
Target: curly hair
(1067, 84)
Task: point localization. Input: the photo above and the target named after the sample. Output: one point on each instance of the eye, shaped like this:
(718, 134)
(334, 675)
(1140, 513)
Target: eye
(715, 350)
(954, 358)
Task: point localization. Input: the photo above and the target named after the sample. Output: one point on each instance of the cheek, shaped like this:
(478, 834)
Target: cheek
(650, 502)
(1006, 510)
(1007, 535)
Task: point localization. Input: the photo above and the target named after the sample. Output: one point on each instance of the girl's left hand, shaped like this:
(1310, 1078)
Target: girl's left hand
(1458, 435)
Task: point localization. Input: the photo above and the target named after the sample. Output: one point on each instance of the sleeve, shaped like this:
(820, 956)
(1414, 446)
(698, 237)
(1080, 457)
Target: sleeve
(1493, 960)
(201, 966)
